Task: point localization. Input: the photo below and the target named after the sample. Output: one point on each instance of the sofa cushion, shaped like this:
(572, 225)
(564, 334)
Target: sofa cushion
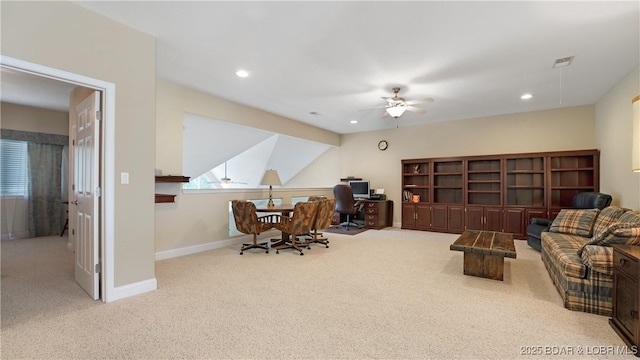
(620, 233)
(630, 217)
(607, 216)
(575, 221)
(599, 258)
(562, 251)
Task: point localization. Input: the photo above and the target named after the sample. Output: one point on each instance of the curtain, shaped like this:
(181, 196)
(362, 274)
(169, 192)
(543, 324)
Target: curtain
(46, 211)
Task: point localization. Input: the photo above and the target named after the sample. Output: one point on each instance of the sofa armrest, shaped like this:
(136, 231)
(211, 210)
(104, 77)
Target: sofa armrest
(599, 258)
(541, 221)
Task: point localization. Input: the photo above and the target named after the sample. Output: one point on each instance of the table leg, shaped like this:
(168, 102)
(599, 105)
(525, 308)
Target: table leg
(486, 266)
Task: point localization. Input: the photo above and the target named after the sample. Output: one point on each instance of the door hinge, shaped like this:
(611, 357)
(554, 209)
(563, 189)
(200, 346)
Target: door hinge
(73, 231)
(98, 115)
(98, 268)
(73, 187)
(73, 142)
(98, 192)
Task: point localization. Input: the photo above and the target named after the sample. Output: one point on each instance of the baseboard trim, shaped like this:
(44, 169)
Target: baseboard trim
(168, 254)
(15, 236)
(125, 291)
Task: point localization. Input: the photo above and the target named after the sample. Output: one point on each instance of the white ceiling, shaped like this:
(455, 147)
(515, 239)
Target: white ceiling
(25, 89)
(337, 58)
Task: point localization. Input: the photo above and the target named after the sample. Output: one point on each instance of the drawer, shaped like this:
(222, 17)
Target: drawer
(626, 264)
(371, 217)
(371, 205)
(369, 210)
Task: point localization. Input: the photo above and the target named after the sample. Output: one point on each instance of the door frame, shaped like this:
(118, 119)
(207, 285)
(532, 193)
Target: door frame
(107, 160)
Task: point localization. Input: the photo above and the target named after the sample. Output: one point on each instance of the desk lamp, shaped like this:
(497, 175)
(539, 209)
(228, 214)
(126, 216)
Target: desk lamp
(270, 178)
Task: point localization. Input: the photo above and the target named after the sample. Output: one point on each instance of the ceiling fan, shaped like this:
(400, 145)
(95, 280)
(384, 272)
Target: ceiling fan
(396, 105)
(225, 180)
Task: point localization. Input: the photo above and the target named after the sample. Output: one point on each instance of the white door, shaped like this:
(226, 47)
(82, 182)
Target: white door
(85, 203)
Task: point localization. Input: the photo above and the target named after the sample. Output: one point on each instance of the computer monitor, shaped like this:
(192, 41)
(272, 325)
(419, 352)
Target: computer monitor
(360, 189)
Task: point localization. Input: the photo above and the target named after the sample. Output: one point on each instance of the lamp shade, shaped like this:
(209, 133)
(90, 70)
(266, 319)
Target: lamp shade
(635, 155)
(396, 111)
(270, 178)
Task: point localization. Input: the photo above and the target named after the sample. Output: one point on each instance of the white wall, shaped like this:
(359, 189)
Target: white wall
(548, 130)
(614, 125)
(65, 36)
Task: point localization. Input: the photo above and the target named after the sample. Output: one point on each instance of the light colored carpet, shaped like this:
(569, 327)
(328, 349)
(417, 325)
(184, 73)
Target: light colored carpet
(387, 294)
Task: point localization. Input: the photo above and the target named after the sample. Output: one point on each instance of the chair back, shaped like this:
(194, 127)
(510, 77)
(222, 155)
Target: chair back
(303, 216)
(244, 214)
(591, 200)
(345, 203)
(325, 213)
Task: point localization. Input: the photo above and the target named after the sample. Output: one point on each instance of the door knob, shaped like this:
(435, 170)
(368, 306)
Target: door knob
(75, 202)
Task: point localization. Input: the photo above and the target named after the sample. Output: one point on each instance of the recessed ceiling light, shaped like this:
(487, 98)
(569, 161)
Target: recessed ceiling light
(354, 121)
(242, 73)
(566, 61)
(314, 113)
(526, 96)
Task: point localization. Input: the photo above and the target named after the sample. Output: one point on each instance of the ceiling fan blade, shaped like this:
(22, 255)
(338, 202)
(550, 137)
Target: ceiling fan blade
(373, 108)
(420, 101)
(385, 115)
(416, 109)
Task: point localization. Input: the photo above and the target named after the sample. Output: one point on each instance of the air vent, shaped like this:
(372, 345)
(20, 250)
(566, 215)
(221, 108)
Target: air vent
(566, 61)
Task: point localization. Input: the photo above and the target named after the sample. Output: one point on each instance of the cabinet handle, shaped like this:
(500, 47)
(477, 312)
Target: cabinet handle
(633, 313)
(622, 263)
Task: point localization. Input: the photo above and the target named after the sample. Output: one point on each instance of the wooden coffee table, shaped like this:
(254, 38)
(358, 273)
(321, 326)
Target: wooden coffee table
(484, 252)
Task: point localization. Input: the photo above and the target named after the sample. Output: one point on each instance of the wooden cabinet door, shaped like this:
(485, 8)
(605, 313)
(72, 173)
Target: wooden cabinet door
(439, 217)
(423, 217)
(514, 222)
(455, 221)
(408, 216)
(493, 219)
(473, 218)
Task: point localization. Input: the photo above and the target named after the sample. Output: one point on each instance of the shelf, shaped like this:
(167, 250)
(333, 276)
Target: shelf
(483, 181)
(483, 171)
(447, 173)
(165, 198)
(447, 187)
(414, 174)
(484, 191)
(416, 186)
(571, 188)
(172, 178)
(525, 172)
(524, 187)
(574, 169)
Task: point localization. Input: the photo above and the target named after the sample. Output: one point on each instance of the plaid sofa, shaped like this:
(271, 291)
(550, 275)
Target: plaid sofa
(578, 256)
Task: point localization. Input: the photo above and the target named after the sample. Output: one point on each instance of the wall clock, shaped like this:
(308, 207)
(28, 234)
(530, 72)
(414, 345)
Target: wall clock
(383, 145)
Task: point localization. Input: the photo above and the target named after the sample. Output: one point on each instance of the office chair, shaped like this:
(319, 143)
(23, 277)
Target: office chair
(346, 204)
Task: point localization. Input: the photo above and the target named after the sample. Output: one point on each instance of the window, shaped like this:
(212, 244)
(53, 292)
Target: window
(14, 179)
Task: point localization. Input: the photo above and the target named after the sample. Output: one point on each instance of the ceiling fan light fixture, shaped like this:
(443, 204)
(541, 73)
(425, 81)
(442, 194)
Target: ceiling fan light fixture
(396, 111)
(526, 96)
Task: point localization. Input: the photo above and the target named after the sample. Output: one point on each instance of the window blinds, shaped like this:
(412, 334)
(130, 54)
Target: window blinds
(14, 178)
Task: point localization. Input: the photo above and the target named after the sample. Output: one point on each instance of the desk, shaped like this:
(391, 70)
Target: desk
(284, 209)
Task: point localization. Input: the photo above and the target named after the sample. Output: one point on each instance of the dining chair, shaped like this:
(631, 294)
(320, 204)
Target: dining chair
(248, 222)
(322, 221)
(298, 224)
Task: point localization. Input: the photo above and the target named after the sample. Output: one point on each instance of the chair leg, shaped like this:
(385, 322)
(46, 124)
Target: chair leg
(316, 237)
(255, 245)
(291, 245)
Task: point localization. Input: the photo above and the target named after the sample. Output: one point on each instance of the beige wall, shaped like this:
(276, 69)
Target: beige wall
(68, 37)
(614, 126)
(28, 118)
(549, 130)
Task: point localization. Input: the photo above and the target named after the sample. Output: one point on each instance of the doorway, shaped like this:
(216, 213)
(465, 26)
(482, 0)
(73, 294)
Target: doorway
(104, 170)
